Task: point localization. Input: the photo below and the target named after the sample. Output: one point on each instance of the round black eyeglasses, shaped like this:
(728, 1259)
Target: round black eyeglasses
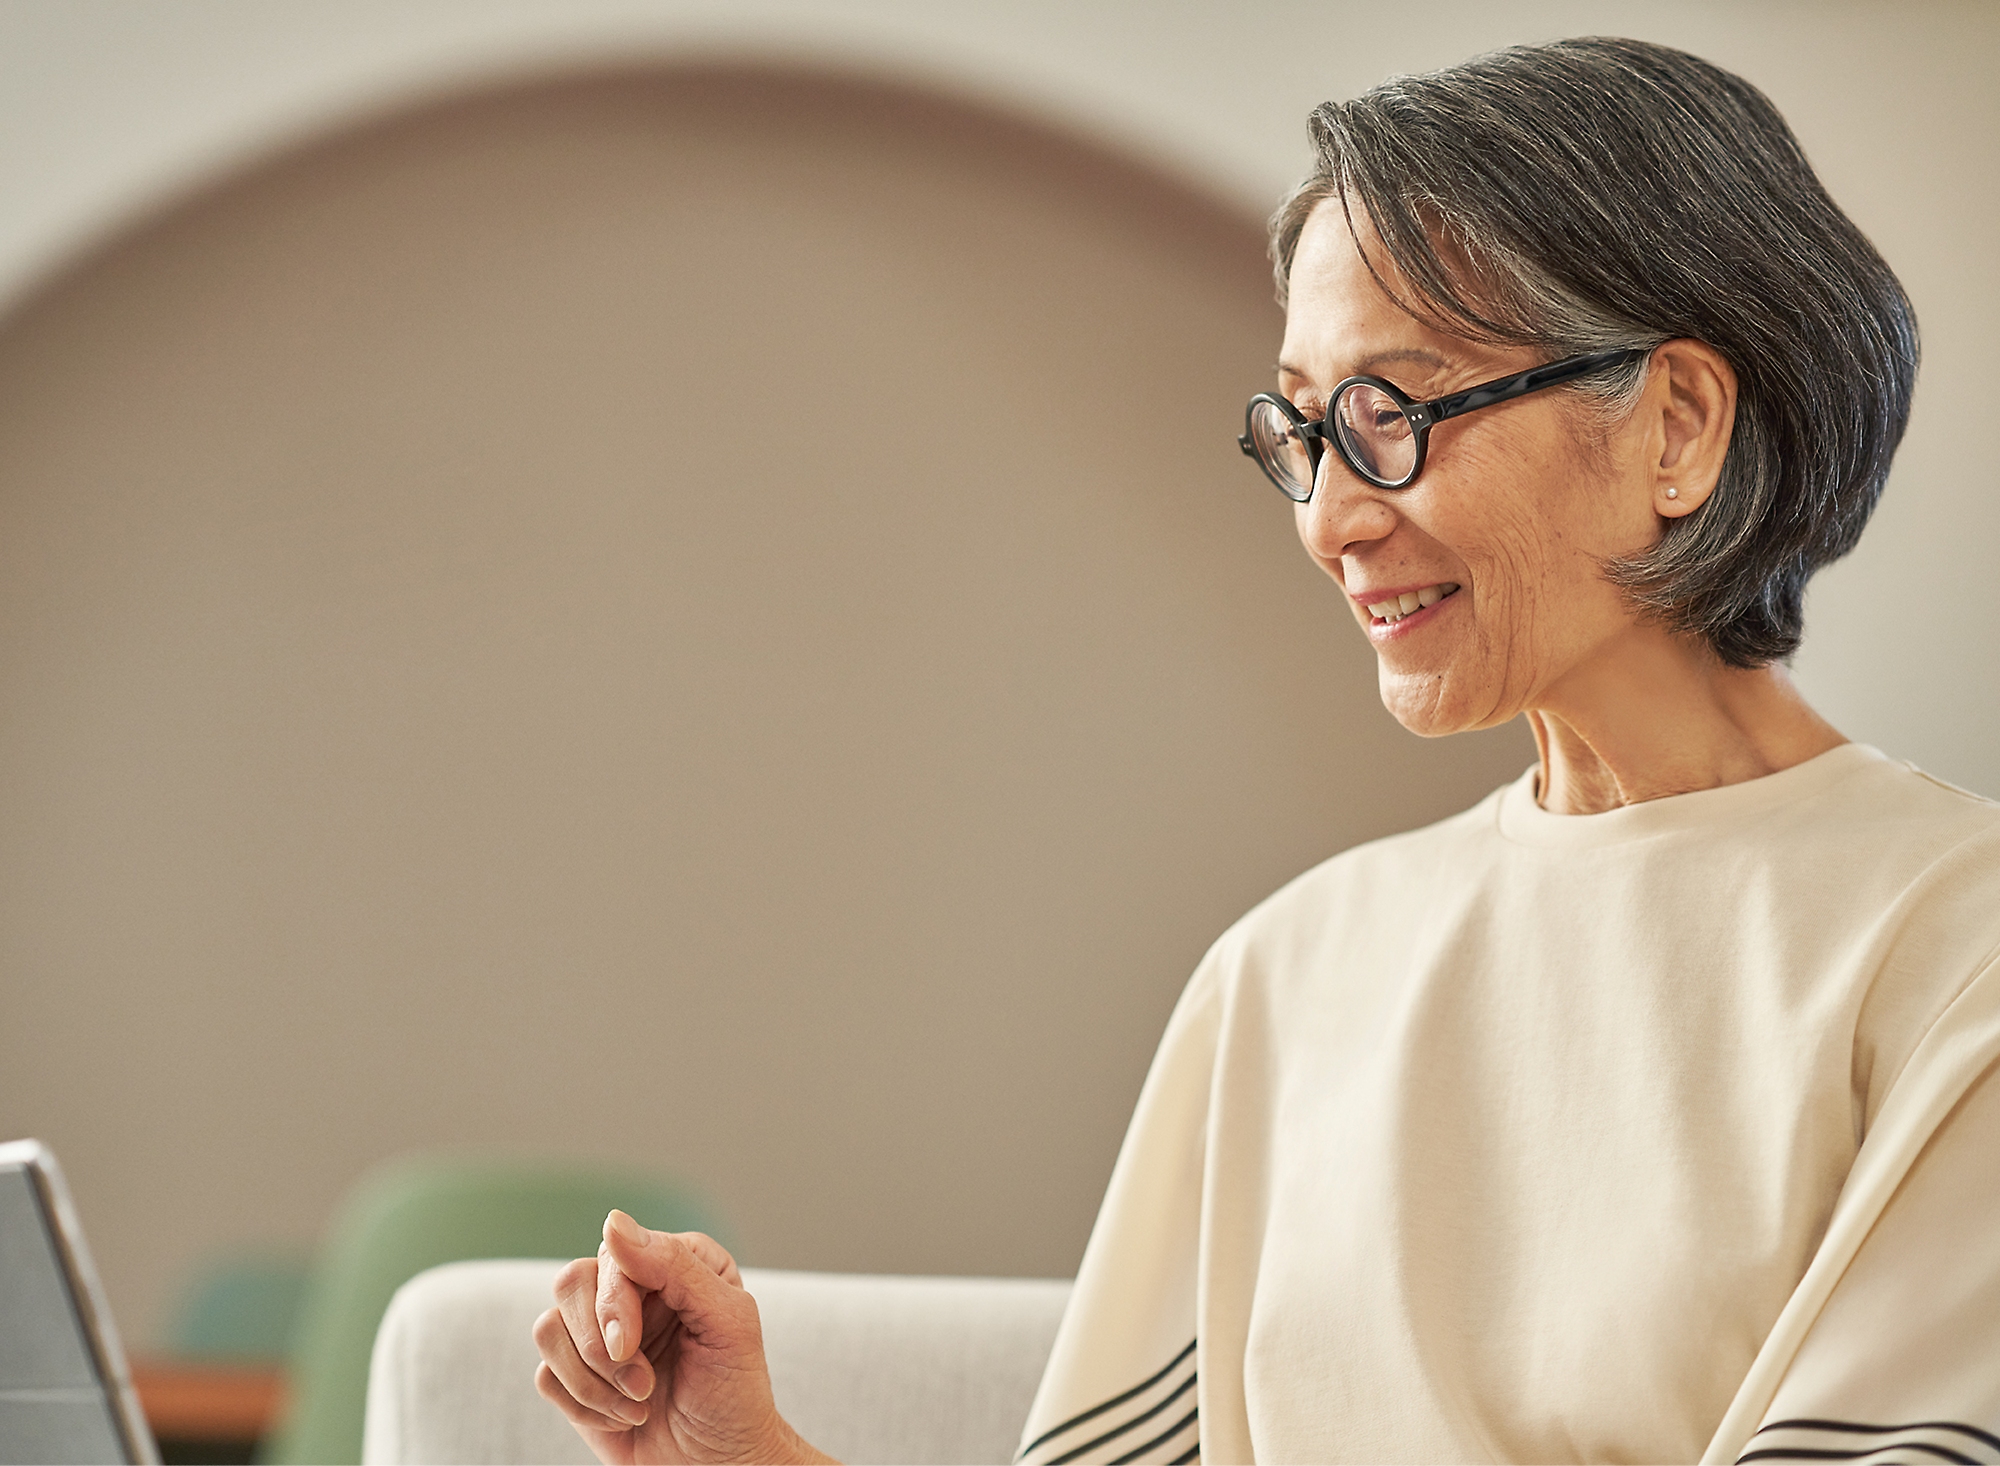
(1378, 429)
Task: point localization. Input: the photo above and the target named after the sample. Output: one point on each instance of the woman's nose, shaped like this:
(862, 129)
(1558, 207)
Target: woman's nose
(1342, 513)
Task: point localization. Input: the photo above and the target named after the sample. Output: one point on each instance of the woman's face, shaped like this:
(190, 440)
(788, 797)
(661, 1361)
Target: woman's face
(1503, 534)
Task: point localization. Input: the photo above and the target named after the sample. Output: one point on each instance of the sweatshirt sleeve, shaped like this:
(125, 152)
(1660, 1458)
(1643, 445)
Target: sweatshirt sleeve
(1122, 1382)
(1903, 1362)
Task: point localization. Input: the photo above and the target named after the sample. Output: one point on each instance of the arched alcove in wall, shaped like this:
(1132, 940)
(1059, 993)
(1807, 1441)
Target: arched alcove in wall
(711, 617)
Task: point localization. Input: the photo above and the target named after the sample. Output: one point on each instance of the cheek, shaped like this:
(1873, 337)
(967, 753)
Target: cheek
(1491, 514)
(1531, 532)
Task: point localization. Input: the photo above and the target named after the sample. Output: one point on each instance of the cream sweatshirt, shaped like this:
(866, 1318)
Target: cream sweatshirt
(1638, 1136)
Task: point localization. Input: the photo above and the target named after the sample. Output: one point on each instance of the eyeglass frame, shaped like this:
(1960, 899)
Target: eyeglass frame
(1421, 416)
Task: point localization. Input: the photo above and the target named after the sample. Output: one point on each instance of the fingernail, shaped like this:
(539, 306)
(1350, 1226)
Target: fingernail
(633, 1411)
(628, 1230)
(614, 1339)
(632, 1380)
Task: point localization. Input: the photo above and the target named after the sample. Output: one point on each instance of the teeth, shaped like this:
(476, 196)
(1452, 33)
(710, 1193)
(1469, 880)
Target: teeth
(1409, 601)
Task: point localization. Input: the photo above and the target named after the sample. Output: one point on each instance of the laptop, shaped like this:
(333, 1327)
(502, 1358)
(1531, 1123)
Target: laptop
(65, 1395)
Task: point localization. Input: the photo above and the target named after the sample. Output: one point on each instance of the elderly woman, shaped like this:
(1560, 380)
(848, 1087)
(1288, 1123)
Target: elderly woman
(1647, 1110)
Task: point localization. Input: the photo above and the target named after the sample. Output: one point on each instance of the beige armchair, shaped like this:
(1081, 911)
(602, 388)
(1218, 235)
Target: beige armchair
(871, 1369)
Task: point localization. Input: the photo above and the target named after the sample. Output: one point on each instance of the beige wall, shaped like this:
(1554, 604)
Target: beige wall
(105, 104)
(710, 619)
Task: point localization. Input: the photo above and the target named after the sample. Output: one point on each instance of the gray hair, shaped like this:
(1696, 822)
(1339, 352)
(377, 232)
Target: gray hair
(1612, 193)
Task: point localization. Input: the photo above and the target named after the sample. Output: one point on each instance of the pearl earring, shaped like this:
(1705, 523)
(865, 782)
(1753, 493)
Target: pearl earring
(1673, 493)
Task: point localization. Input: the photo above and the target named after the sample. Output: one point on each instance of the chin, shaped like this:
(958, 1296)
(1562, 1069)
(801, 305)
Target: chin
(1432, 704)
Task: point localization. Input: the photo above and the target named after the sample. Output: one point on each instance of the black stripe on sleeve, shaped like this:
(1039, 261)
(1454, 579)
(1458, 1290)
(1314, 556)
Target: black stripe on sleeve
(1966, 1437)
(1853, 1427)
(1193, 1454)
(1161, 1439)
(1111, 1404)
(1806, 1453)
(1137, 1420)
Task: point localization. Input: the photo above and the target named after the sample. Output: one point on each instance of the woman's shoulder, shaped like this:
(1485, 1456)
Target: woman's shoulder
(1922, 795)
(1889, 813)
(1376, 876)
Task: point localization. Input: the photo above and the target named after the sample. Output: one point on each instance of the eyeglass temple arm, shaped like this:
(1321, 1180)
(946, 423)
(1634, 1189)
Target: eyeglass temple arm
(1500, 389)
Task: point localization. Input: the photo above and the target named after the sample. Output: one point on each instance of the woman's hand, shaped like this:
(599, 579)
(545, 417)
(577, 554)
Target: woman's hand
(655, 1353)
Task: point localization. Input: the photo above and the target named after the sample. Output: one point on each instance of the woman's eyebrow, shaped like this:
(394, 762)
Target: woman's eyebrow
(1420, 354)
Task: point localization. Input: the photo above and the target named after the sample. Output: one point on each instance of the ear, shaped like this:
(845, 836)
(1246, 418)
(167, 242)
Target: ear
(1693, 393)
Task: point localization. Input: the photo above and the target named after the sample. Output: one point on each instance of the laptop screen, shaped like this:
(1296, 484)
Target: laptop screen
(56, 1403)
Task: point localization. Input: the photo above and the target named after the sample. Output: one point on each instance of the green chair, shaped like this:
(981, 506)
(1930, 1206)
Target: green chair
(415, 1214)
(239, 1309)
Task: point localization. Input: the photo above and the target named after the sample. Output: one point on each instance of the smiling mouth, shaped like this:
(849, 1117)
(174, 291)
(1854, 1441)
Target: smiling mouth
(1410, 602)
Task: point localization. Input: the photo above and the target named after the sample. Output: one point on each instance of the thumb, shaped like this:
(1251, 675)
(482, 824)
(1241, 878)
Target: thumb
(662, 1263)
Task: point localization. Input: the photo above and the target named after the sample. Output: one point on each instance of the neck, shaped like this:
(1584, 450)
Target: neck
(1654, 714)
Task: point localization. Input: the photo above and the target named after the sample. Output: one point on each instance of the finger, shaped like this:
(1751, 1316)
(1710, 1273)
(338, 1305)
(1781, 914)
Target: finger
(707, 1306)
(550, 1388)
(617, 1306)
(584, 1387)
(576, 1300)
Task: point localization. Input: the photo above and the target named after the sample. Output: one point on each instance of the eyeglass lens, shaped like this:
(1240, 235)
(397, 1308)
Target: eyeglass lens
(1376, 435)
(1283, 451)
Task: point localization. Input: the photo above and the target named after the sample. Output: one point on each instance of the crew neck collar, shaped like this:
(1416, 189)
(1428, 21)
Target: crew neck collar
(1523, 821)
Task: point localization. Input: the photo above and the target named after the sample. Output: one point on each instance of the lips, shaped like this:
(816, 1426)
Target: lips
(1394, 608)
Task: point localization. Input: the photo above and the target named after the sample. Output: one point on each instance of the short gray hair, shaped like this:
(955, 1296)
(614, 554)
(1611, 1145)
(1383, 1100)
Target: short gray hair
(1613, 193)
